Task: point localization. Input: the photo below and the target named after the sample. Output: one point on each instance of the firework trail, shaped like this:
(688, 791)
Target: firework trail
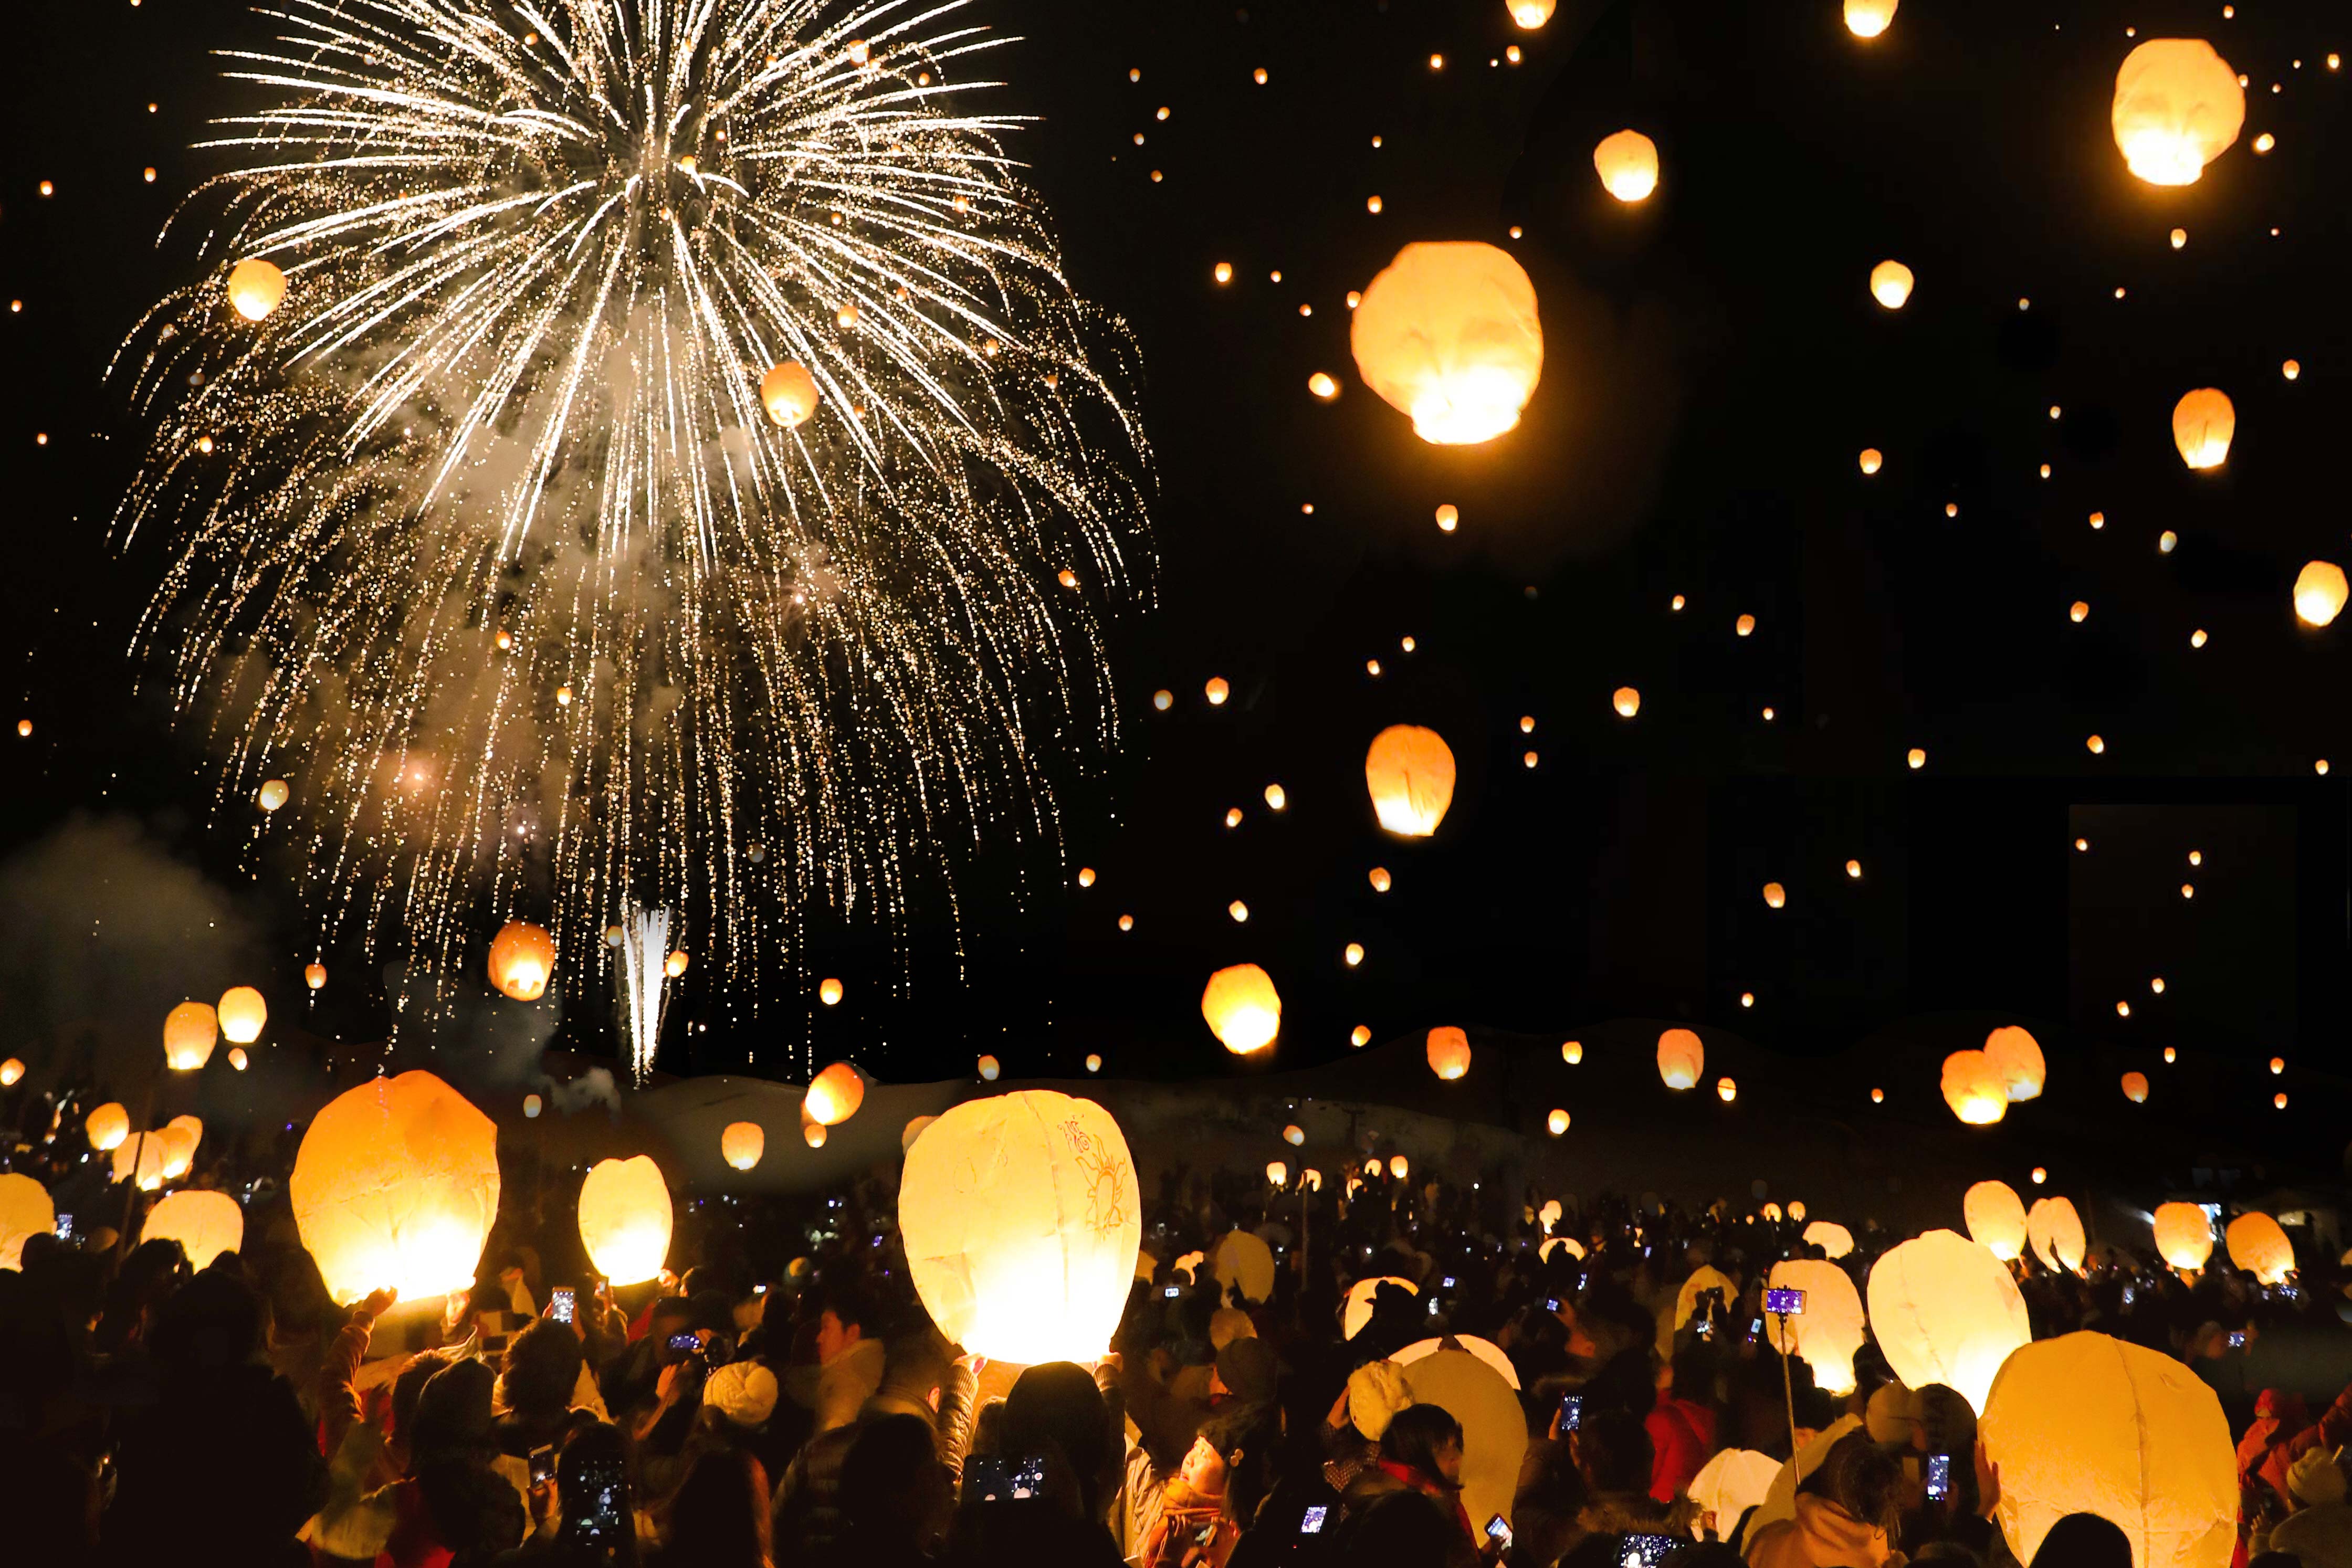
(486, 540)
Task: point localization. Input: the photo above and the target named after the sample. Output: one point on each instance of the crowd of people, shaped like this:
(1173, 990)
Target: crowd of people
(780, 1395)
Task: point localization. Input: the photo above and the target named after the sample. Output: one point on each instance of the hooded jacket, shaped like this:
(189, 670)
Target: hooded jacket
(1823, 1535)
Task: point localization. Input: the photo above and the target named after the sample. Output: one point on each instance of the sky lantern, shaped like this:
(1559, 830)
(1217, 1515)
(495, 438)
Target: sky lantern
(2258, 1245)
(1829, 1331)
(1408, 771)
(1627, 163)
(1242, 1008)
(2178, 107)
(1973, 1088)
(1494, 1424)
(395, 1185)
(1727, 1089)
(1568, 1244)
(1834, 1240)
(2016, 1056)
(1532, 14)
(242, 1013)
(789, 394)
(1890, 283)
(1549, 1216)
(140, 1158)
(315, 976)
(1627, 701)
(205, 1224)
(2202, 424)
(2136, 1088)
(741, 1143)
(1022, 1219)
(1399, 1167)
(12, 1072)
(1358, 1309)
(531, 1106)
(1682, 1057)
(1573, 1052)
(25, 1211)
(2319, 593)
(2184, 1236)
(814, 1134)
(674, 965)
(190, 1032)
(1094, 1061)
(1243, 1259)
(1996, 1218)
(1775, 896)
(913, 1130)
(1946, 1310)
(107, 1126)
(523, 960)
(624, 1218)
(828, 991)
(1449, 1052)
(1277, 1174)
(1447, 333)
(1868, 18)
(255, 288)
(988, 1068)
(1294, 1134)
(272, 794)
(1556, 1123)
(834, 1095)
(2056, 1232)
(2086, 1423)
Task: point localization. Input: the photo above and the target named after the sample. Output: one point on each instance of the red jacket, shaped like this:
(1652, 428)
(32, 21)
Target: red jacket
(1681, 1440)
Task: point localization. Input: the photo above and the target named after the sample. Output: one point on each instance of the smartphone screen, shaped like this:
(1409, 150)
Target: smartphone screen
(1785, 1303)
(65, 1227)
(688, 1342)
(1311, 1521)
(542, 1464)
(1551, 1304)
(1173, 1292)
(993, 1478)
(1499, 1529)
(2237, 1340)
(1572, 1412)
(559, 1303)
(1939, 1476)
(1705, 1326)
(1648, 1550)
(605, 1483)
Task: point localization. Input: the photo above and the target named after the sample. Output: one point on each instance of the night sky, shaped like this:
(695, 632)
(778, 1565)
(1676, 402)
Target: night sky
(1714, 363)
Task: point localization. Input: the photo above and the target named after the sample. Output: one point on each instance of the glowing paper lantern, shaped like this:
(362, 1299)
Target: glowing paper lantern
(237, 1057)
(1973, 1088)
(205, 1224)
(1410, 773)
(2203, 421)
(140, 1159)
(2260, 1247)
(242, 1013)
(835, 1096)
(1573, 1052)
(743, 1143)
(1398, 1167)
(1485, 1350)
(913, 1130)
(1493, 1426)
(828, 991)
(814, 1134)
(189, 1127)
(2184, 1236)
(2055, 1233)
(1867, 19)
(2088, 1424)
(2178, 107)
(1702, 1280)
(272, 794)
(1358, 1309)
(789, 393)
(624, 1218)
(1449, 1052)
(988, 1068)
(1447, 333)
(2018, 1057)
(1277, 1174)
(1242, 1008)
(1245, 1261)
(107, 1126)
(531, 1107)
(1022, 1220)
(1725, 1089)
(315, 976)
(1626, 701)
(1556, 1123)
(1829, 1331)
(190, 1032)
(1551, 1212)
(1834, 1240)
(12, 1072)
(1996, 1218)
(395, 1185)
(25, 1211)
(674, 965)
(1568, 1244)
(523, 960)
(2136, 1088)
(2319, 593)
(1890, 283)
(256, 287)
(1682, 1057)
(1627, 163)
(1946, 1310)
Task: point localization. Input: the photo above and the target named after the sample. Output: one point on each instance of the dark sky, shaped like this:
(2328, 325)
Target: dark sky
(1714, 364)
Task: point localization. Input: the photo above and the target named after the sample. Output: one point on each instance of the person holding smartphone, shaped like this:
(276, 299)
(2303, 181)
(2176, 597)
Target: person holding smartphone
(588, 1517)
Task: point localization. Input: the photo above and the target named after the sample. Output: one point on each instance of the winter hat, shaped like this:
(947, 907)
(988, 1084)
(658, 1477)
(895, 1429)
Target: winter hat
(1376, 1391)
(2316, 1478)
(744, 1391)
(1248, 1369)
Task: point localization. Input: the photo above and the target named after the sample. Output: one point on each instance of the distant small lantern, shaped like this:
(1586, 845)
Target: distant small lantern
(1872, 460)
(674, 965)
(989, 1069)
(789, 394)
(1775, 896)
(1627, 163)
(1094, 1063)
(1556, 1123)
(12, 1072)
(242, 1014)
(828, 991)
(1973, 1088)
(272, 795)
(190, 1032)
(1573, 1052)
(834, 1095)
(256, 287)
(531, 1106)
(1682, 1057)
(2178, 107)
(2319, 593)
(2136, 1088)
(1294, 1134)
(1242, 1008)
(107, 1126)
(523, 960)
(1449, 1052)
(1398, 1168)
(1627, 701)
(1217, 690)
(2203, 423)
(1277, 1174)
(2184, 1236)
(238, 1058)
(2018, 1055)
(741, 1143)
(315, 976)
(1725, 1089)
(1890, 283)
(1408, 771)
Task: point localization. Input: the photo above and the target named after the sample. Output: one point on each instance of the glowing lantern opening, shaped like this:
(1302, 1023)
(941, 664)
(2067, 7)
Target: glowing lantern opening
(1973, 1088)
(523, 960)
(624, 1218)
(1449, 1052)
(395, 1185)
(1242, 1008)
(741, 1143)
(1448, 334)
(1869, 18)
(190, 1032)
(1409, 772)
(2178, 107)
(1627, 163)
(2203, 421)
(1890, 283)
(205, 1224)
(2184, 1236)
(1946, 1310)
(789, 394)
(1996, 1218)
(1022, 1221)
(256, 287)
(1532, 14)
(1682, 1057)
(2319, 593)
(242, 1014)
(835, 1096)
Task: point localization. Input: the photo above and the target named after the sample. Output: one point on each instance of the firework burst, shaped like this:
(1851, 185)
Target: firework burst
(484, 540)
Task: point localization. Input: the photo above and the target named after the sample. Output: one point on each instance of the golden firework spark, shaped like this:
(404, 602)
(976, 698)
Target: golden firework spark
(486, 543)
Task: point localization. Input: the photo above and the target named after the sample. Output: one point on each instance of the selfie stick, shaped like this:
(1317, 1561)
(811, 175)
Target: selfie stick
(1788, 1388)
